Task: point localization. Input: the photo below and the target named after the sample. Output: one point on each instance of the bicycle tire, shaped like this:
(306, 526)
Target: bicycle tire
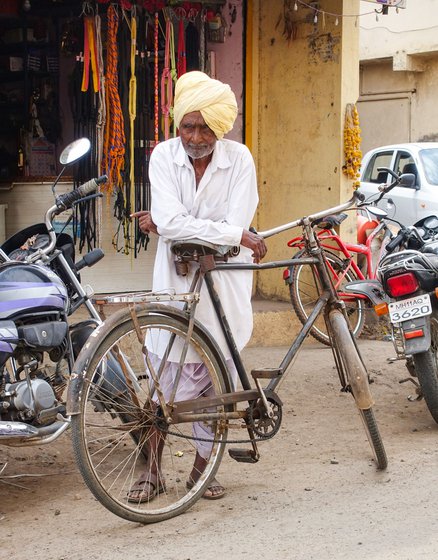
(347, 357)
(111, 461)
(426, 370)
(304, 292)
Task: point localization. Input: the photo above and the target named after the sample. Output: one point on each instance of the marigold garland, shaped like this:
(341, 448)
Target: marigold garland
(352, 139)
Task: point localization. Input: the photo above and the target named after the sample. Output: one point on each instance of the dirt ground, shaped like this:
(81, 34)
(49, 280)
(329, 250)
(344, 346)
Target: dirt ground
(315, 493)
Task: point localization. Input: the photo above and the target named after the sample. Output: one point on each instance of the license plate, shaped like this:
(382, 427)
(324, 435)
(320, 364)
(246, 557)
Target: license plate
(411, 308)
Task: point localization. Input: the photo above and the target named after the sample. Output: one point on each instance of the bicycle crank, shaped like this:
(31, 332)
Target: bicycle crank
(265, 421)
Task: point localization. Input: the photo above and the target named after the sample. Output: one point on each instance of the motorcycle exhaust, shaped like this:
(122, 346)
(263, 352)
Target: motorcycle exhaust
(16, 432)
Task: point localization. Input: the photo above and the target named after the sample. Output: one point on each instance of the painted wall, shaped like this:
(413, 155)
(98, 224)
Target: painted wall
(116, 272)
(229, 59)
(303, 87)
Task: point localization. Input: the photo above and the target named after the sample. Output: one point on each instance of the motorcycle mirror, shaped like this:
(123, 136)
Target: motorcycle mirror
(388, 170)
(74, 151)
(408, 180)
(378, 212)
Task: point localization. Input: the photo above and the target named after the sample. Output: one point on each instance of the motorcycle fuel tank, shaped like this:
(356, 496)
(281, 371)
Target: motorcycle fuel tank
(30, 288)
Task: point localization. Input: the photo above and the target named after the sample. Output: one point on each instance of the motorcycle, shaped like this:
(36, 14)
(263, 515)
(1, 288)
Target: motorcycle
(410, 278)
(40, 289)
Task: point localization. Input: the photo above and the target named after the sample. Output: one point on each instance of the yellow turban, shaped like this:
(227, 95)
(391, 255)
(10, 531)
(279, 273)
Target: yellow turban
(195, 91)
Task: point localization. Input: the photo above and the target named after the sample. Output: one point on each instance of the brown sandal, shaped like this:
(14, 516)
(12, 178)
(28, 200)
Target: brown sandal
(146, 493)
(209, 494)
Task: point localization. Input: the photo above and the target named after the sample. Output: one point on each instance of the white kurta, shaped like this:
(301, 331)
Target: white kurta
(217, 211)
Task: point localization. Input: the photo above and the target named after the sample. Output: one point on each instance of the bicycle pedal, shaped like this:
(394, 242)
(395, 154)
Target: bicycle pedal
(244, 455)
(267, 373)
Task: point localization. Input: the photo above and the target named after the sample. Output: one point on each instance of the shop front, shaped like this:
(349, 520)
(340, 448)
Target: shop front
(107, 70)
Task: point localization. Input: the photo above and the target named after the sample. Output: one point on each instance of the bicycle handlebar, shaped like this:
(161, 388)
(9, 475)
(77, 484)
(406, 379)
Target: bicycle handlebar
(357, 197)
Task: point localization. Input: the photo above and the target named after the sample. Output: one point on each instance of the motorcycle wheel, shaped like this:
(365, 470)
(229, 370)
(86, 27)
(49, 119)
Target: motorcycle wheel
(426, 369)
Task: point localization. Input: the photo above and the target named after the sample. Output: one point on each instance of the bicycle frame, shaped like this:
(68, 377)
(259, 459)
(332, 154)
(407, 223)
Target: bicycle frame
(328, 299)
(329, 239)
(197, 409)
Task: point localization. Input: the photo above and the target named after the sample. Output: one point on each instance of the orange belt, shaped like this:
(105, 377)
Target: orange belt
(90, 55)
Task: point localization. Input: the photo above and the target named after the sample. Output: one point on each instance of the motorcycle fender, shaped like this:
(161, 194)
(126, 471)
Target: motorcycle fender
(371, 289)
(419, 343)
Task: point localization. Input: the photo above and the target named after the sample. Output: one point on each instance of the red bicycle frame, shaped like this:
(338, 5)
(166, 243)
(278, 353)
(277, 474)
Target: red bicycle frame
(329, 239)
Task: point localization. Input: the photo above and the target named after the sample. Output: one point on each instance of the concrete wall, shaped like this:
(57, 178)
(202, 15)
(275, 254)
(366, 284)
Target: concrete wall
(411, 30)
(303, 86)
(399, 75)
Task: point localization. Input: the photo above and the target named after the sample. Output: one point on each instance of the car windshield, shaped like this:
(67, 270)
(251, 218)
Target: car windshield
(429, 158)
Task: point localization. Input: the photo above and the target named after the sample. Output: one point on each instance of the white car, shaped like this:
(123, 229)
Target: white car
(405, 204)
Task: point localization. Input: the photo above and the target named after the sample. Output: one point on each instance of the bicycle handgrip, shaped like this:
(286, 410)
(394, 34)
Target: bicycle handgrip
(66, 200)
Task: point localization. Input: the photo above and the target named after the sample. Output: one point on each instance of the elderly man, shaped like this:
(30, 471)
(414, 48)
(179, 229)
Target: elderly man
(204, 186)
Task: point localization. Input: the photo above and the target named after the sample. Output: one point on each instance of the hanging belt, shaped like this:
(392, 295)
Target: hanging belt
(202, 41)
(114, 134)
(182, 66)
(132, 116)
(132, 92)
(156, 87)
(90, 55)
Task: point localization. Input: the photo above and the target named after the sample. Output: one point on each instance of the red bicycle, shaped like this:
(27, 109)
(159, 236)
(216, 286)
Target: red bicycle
(347, 262)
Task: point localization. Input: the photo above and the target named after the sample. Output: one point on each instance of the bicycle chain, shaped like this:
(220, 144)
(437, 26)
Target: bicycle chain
(214, 440)
(258, 437)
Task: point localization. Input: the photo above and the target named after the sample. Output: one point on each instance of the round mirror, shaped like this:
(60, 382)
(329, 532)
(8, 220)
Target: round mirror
(378, 212)
(74, 151)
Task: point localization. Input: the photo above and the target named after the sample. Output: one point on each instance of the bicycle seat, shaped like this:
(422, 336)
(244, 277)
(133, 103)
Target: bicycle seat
(192, 249)
(330, 221)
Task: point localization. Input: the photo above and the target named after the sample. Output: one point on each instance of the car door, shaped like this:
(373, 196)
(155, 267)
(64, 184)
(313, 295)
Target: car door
(371, 177)
(406, 200)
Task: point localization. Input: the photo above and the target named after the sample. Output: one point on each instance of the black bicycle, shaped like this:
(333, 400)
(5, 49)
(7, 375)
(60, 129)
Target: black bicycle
(154, 343)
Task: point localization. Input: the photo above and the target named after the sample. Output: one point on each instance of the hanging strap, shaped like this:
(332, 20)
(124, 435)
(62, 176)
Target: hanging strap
(132, 92)
(182, 65)
(132, 117)
(166, 83)
(115, 134)
(156, 86)
(202, 46)
(90, 56)
(101, 111)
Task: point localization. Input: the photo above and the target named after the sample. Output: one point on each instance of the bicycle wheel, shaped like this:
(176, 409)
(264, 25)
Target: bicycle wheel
(353, 374)
(110, 443)
(426, 370)
(304, 292)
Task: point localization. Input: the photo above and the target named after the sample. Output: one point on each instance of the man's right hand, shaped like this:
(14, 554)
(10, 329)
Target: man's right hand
(256, 243)
(145, 222)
